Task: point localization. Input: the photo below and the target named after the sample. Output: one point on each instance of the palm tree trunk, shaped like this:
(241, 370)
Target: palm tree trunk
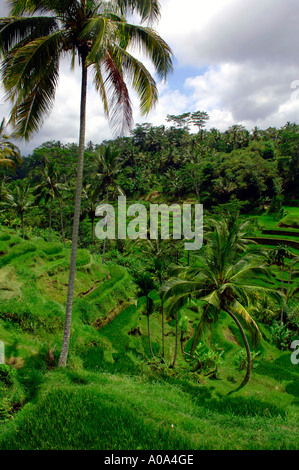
(61, 222)
(176, 338)
(248, 370)
(148, 328)
(197, 334)
(92, 234)
(163, 329)
(104, 245)
(22, 222)
(50, 221)
(281, 279)
(76, 221)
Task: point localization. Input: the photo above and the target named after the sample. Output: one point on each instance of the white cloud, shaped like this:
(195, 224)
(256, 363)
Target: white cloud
(246, 55)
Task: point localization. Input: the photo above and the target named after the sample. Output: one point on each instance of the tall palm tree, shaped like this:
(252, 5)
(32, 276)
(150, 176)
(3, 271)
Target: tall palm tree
(10, 155)
(146, 286)
(48, 189)
(108, 167)
(19, 201)
(224, 279)
(98, 33)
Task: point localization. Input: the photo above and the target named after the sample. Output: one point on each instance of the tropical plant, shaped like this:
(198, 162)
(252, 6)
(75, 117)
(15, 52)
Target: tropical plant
(279, 254)
(48, 189)
(146, 295)
(98, 33)
(223, 279)
(10, 155)
(19, 201)
(108, 165)
(90, 203)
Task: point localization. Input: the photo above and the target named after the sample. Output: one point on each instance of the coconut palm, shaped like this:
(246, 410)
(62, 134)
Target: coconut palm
(19, 201)
(3, 188)
(98, 34)
(279, 254)
(91, 200)
(157, 251)
(50, 189)
(146, 287)
(224, 280)
(293, 273)
(10, 155)
(108, 167)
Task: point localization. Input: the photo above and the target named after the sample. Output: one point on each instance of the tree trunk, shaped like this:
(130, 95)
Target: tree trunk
(50, 220)
(104, 245)
(22, 223)
(248, 370)
(76, 221)
(176, 338)
(197, 334)
(282, 291)
(163, 330)
(61, 222)
(148, 328)
(92, 234)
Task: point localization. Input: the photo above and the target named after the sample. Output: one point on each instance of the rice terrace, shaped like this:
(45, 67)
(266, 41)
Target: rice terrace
(149, 271)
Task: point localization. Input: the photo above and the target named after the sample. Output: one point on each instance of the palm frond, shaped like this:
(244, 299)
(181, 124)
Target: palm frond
(150, 43)
(117, 94)
(240, 311)
(140, 78)
(149, 10)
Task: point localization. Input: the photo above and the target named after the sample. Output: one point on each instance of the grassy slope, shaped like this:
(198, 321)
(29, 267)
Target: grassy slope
(113, 397)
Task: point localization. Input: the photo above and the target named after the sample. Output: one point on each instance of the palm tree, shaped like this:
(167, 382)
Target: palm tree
(98, 34)
(146, 286)
(280, 253)
(48, 189)
(223, 280)
(19, 201)
(9, 153)
(91, 198)
(108, 167)
(3, 188)
(157, 250)
(292, 273)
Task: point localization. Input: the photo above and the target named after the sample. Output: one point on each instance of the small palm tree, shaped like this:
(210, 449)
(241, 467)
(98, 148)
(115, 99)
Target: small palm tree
(279, 254)
(91, 200)
(10, 155)
(224, 279)
(108, 167)
(48, 189)
(19, 201)
(293, 272)
(147, 287)
(157, 251)
(3, 188)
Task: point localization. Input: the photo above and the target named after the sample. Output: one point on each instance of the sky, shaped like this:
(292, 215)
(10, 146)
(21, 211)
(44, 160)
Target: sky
(237, 60)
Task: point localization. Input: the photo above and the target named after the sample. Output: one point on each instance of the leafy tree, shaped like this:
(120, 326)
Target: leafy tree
(98, 34)
(199, 119)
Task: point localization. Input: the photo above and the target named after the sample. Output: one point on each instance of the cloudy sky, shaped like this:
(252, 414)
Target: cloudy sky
(238, 60)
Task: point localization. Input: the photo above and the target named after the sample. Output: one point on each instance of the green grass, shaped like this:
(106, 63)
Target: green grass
(114, 395)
